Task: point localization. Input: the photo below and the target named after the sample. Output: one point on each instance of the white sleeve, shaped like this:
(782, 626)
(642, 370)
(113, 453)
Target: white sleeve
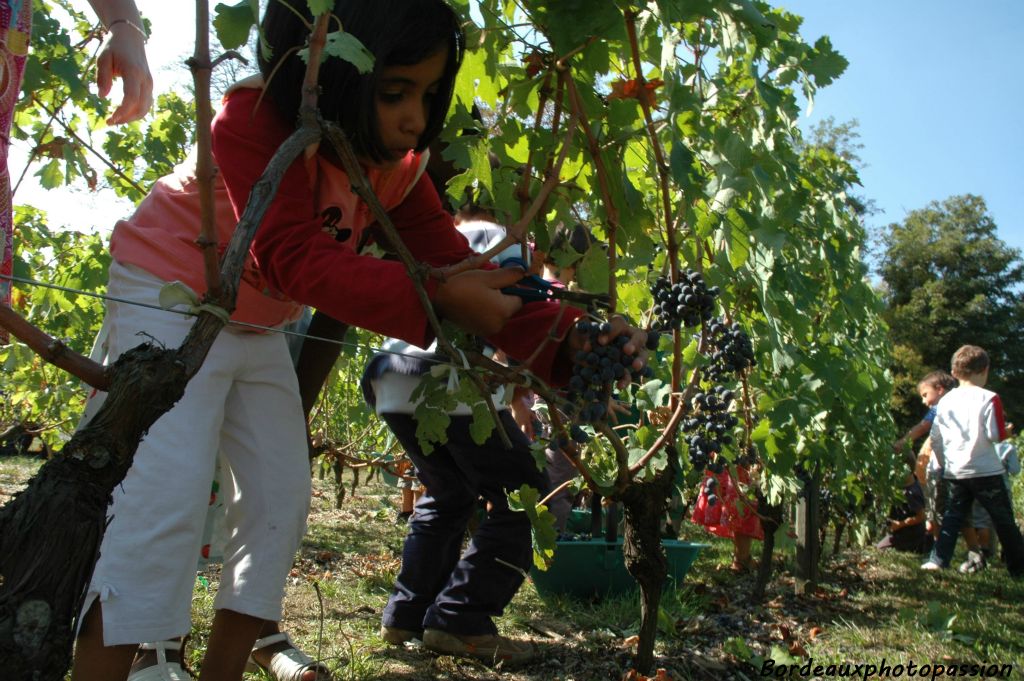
(1008, 453)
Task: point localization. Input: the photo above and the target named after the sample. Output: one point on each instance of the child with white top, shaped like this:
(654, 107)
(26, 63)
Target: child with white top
(968, 424)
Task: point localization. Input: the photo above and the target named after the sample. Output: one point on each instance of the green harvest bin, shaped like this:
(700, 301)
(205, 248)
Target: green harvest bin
(578, 521)
(585, 569)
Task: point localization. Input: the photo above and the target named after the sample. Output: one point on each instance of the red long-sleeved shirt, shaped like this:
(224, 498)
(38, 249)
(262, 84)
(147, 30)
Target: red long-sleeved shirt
(315, 263)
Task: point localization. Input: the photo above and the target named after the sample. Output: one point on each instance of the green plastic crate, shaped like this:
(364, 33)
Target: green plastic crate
(595, 567)
(578, 521)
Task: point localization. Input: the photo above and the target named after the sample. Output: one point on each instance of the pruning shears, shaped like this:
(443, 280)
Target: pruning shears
(533, 288)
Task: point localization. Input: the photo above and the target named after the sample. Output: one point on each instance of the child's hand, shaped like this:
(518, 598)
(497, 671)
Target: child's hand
(473, 300)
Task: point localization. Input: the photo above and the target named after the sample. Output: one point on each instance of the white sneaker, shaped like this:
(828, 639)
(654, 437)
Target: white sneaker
(931, 566)
(975, 563)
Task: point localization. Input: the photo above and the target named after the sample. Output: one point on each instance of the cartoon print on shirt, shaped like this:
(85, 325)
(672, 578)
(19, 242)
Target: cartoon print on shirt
(332, 218)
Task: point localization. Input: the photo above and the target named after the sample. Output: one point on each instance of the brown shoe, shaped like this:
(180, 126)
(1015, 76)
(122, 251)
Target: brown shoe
(396, 636)
(489, 648)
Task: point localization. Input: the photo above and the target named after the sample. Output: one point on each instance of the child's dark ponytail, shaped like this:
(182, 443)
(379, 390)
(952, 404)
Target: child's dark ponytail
(397, 32)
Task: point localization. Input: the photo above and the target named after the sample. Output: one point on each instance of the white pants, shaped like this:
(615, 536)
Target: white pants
(243, 402)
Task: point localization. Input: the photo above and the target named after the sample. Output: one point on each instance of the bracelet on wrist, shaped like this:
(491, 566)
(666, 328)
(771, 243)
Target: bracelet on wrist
(142, 32)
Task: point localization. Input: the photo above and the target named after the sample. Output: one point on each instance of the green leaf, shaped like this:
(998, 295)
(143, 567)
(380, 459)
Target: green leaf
(480, 163)
(483, 423)
(71, 74)
(666, 623)
(431, 426)
(233, 23)
(692, 356)
(50, 175)
(653, 393)
(348, 47)
(738, 648)
(781, 656)
(572, 22)
(826, 64)
(318, 7)
(681, 163)
(761, 432)
(542, 524)
(592, 272)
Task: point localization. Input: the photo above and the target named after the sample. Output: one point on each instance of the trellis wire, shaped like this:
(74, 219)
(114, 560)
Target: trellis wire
(187, 313)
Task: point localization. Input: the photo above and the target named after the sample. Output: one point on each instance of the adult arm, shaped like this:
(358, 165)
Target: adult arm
(123, 56)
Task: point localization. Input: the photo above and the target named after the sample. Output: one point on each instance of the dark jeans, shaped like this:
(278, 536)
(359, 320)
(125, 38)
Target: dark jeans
(991, 493)
(436, 587)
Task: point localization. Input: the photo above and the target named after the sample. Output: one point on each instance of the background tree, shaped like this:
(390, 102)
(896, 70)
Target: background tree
(949, 280)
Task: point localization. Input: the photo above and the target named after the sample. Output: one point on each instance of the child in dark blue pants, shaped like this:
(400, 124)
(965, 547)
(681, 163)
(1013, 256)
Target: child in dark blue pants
(442, 593)
(438, 591)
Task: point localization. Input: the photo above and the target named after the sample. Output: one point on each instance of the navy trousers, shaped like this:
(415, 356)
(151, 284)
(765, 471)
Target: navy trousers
(439, 585)
(990, 492)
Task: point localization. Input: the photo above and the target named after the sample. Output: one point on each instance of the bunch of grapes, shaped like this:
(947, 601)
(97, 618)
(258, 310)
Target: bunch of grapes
(708, 427)
(688, 302)
(710, 485)
(732, 350)
(749, 456)
(594, 373)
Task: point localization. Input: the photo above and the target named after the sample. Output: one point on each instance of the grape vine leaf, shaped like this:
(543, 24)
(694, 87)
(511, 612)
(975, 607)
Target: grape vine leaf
(233, 23)
(593, 271)
(826, 64)
(50, 175)
(483, 423)
(318, 7)
(653, 393)
(542, 524)
(348, 47)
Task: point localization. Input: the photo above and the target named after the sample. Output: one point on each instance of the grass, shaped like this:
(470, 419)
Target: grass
(871, 607)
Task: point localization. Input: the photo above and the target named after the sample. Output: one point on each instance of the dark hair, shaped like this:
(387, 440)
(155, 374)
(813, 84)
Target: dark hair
(939, 379)
(969, 360)
(397, 32)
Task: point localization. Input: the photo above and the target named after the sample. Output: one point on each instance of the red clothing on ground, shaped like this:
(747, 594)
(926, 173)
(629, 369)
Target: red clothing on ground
(733, 514)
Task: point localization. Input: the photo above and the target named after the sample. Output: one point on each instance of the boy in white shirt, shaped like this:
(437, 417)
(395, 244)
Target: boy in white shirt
(968, 424)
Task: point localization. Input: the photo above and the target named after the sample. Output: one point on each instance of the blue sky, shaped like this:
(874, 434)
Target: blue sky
(937, 88)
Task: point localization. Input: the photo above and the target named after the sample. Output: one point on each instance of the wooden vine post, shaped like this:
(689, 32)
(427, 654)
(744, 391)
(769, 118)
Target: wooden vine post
(808, 547)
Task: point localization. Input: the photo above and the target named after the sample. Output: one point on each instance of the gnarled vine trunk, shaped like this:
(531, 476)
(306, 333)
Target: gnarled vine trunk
(771, 521)
(50, 533)
(645, 504)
